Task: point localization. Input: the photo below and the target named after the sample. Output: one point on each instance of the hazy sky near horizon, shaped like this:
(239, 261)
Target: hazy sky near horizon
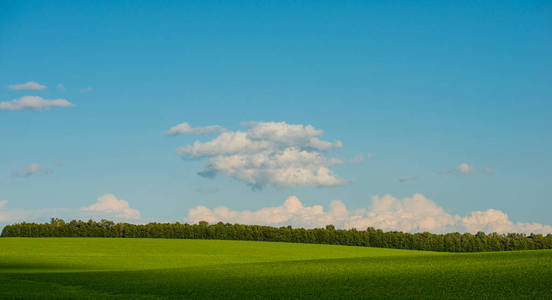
(321, 100)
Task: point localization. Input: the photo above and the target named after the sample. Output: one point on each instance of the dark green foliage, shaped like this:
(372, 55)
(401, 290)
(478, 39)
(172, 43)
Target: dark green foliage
(521, 276)
(450, 242)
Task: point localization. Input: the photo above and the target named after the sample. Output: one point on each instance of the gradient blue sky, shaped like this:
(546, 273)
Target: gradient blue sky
(421, 87)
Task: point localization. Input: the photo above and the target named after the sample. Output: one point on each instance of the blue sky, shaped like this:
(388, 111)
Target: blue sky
(415, 88)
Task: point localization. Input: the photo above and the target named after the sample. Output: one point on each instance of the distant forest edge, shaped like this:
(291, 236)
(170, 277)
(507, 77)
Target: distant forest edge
(449, 242)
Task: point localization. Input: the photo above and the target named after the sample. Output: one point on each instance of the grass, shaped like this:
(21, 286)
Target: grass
(158, 268)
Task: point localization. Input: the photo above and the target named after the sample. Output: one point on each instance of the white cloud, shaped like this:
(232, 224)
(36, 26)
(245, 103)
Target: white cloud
(33, 103)
(61, 88)
(225, 144)
(273, 153)
(493, 220)
(32, 169)
(31, 85)
(291, 212)
(465, 169)
(110, 205)
(86, 90)
(411, 214)
(185, 128)
(292, 135)
(414, 214)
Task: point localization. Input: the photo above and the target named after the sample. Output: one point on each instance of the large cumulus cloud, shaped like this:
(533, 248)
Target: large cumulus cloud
(275, 153)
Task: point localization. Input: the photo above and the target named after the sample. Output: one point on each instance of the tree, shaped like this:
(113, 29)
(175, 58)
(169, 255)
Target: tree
(451, 242)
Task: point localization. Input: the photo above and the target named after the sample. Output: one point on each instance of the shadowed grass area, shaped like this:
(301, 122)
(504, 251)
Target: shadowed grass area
(133, 268)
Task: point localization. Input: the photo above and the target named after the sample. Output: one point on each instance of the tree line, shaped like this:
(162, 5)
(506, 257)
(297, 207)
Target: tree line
(449, 242)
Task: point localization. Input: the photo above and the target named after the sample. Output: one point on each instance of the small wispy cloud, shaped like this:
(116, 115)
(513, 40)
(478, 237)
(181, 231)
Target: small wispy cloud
(32, 169)
(360, 158)
(30, 86)
(408, 178)
(465, 169)
(86, 90)
(488, 169)
(58, 162)
(61, 88)
(185, 128)
(33, 103)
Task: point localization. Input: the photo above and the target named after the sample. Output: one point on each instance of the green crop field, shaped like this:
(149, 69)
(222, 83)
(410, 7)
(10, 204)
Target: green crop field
(172, 268)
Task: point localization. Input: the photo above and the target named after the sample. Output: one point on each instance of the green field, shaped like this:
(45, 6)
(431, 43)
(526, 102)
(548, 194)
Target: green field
(171, 268)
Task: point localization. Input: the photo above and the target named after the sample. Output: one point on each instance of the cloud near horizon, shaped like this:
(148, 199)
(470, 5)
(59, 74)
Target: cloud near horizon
(106, 207)
(275, 153)
(411, 214)
(33, 103)
(29, 86)
(4, 217)
(108, 204)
